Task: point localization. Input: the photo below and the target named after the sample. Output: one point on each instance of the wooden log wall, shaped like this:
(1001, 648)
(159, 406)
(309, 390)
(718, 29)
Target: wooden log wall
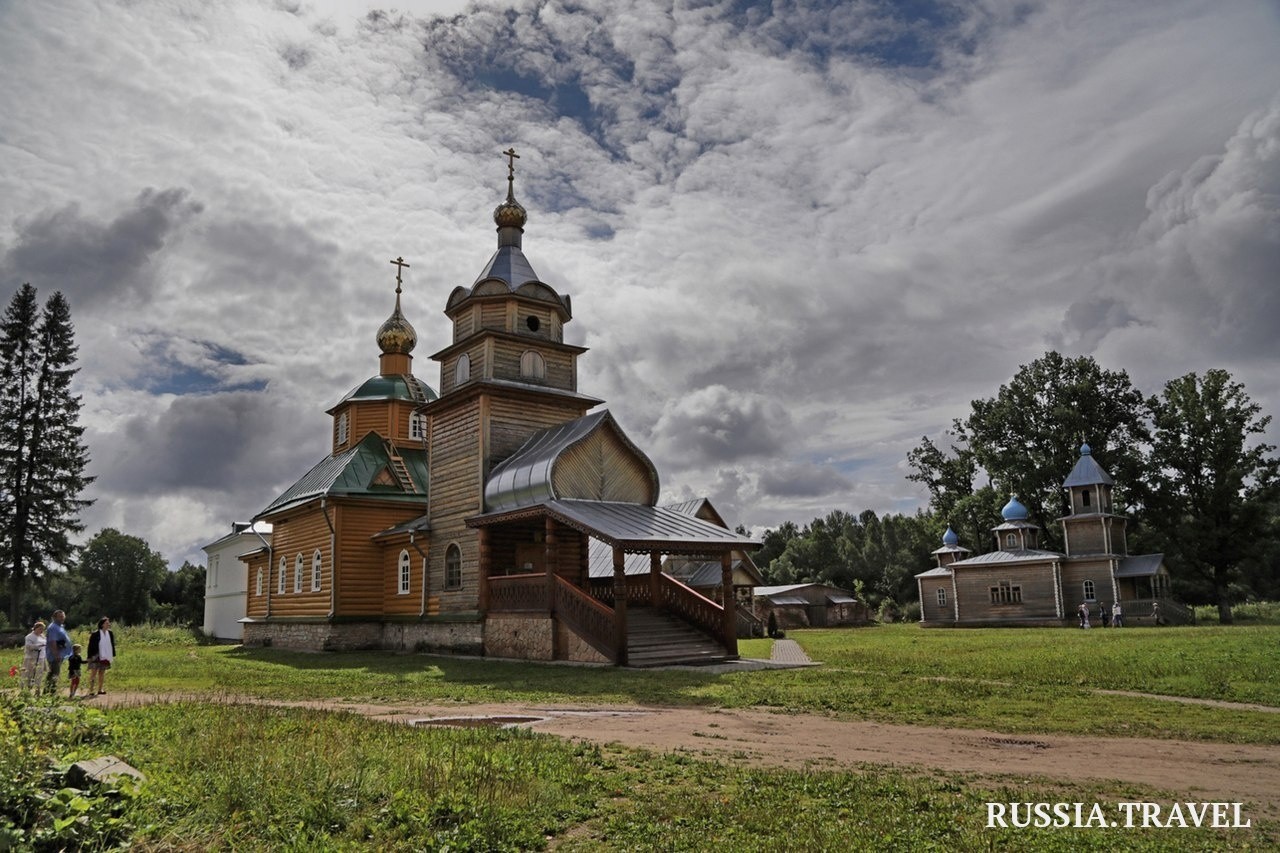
(300, 535)
(511, 422)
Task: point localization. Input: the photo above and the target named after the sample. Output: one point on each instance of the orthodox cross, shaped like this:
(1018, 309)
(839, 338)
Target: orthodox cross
(399, 264)
(512, 157)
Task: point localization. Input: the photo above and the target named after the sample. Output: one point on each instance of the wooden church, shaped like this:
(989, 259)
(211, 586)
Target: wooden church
(461, 521)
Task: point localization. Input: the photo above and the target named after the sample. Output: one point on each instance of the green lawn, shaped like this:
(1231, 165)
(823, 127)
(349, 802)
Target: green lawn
(1013, 680)
(233, 776)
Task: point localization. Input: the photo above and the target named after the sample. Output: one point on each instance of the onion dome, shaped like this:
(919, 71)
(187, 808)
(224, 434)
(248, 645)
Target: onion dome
(950, 538)
(1014, 510)
(510, 214)
(1085, 450)
(396, 335)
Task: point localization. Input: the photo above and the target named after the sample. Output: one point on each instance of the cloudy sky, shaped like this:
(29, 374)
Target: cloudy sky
(798, 236)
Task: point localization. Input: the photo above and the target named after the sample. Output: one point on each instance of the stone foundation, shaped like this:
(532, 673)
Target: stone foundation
(523, 637)
(574, 648)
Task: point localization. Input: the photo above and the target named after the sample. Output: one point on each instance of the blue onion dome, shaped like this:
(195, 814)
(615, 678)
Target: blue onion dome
(1014, 510)
(950, 538)
(1085, 450)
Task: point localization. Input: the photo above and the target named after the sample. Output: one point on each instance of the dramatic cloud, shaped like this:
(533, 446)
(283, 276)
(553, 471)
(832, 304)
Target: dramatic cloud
(798, 235)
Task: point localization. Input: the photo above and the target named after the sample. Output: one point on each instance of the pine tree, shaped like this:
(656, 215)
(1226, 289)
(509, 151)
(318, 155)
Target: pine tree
(42, 453)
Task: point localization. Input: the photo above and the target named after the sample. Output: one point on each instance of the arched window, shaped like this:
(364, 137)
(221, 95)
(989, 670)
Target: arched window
(942, 597)
(532, 366)
(1085, 498)
(417, 426)
(453, 567)
(1088, 591)
(341, 427)
(1011, 540)
(462, 371)
(316, 562)
(297, 574)
(259, 586)
(405, 563)
(280, 577)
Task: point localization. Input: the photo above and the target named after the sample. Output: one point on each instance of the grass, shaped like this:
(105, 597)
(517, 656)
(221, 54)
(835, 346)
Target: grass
(227, 775)
(1012, 680)
(231, 776)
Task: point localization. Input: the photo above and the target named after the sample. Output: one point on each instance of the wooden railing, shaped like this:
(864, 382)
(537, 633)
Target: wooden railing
(525, 593)
(749, 625)
(588, 618)
(691, 606)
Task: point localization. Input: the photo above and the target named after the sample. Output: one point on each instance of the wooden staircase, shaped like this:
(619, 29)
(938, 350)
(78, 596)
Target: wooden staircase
(400, 470)
(655, 638)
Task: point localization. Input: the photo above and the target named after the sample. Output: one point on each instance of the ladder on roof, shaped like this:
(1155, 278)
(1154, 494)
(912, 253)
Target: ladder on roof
(399, 470)
(415, 389)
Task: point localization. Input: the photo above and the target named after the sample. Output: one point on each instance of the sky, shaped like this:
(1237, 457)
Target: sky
(798, 236)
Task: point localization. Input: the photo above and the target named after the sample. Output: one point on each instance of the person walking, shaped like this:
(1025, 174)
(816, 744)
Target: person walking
(102, 651)
(1117, 616)
(57, 649)
(33, 656)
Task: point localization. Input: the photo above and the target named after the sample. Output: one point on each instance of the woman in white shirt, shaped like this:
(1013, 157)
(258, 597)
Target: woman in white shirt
(102, 650)
(33, 656)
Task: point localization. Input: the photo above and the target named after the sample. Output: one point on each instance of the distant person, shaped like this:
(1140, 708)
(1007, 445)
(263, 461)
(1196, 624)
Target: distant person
(1155, 612)
(102, 651)
(1084, 615)
(1103, 614)
(1117, 616)
(56, 650)
(33, 656)
(73, 670)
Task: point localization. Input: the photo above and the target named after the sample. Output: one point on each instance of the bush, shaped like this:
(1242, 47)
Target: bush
(888, 611)
(911, 611)
(1258, 612)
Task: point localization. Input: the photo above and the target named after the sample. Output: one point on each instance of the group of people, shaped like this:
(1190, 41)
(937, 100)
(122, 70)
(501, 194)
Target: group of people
(47, 646)
(1113, 618)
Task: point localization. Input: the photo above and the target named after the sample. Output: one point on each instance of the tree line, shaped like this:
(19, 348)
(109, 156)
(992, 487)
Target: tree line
(1192, 473)
(42, 474)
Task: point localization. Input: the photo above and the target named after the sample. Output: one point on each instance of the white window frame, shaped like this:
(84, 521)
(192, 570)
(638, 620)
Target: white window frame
(417, 426)
(284, 568)
(344, 428)
(462, 370)
(259, 592)
(298, 563)
(942, 597)
(1090, 591)
(406, 564)
(317, 563)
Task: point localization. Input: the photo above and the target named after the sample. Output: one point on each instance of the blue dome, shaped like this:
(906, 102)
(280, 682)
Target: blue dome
(1014, 511)
(1085, 451)
(950, 538)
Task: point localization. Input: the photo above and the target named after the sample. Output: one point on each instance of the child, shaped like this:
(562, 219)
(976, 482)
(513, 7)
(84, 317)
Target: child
(73, 669)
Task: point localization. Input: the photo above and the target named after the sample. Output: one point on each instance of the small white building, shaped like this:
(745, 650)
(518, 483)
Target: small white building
(226, 578)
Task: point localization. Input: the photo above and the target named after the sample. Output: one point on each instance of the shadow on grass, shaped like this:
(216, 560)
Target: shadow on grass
(424, 676)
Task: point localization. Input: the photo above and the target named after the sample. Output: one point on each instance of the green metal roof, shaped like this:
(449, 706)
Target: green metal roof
(351, 474)
(391, 386)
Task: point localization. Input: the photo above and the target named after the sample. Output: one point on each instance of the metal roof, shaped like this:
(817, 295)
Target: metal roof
(936, 572)
(1140, 566)
(525, 477)
(642, 528)
(1087, 472)
(238, 530)
(390, 386)
(840, 598)
(509, 265)
(352, 473)
(787, 599)
(1019, 555)
(414, 525)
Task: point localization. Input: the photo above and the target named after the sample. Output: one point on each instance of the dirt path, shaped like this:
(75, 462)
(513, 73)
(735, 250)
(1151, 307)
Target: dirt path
(1192, 771)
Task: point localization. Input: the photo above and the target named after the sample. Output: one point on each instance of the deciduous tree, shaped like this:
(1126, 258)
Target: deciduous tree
(1215, 483)
(121, 574)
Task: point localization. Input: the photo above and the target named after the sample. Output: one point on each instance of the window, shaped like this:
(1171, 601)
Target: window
(1006, 593)
(453, 567)
(213, 580)
(341, 437)
(1088, 591)
(405, 563)
(259, 586)
(1011, 540)
(297, 574)
(532, 366)
(1084, 497)
(417, 426)
(462, 372)
(316, 562)
(280, 578)
(942, 597)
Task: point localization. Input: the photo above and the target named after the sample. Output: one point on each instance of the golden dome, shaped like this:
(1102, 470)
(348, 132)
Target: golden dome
(396, 335)
(510, 214)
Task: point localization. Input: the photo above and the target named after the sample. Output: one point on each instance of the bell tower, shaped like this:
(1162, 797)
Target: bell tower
(1092, 527)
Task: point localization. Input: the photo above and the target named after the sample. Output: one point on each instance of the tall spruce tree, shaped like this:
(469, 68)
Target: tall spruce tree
(42, 452)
